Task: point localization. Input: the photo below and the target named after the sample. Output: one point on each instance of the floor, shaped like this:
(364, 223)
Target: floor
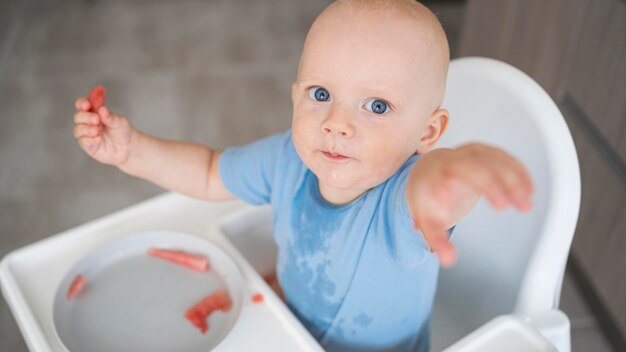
(216, 72)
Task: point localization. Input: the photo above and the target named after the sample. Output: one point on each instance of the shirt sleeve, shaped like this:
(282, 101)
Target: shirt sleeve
(248, 171)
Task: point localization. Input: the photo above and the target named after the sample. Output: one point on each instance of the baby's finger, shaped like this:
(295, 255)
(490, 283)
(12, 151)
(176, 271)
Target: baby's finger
(108, 119)
(509, 181)
(86, 117)
(437, 239)
(82, 104)
(482, 179)
(515, 165)
(84, 130)
(516, 187)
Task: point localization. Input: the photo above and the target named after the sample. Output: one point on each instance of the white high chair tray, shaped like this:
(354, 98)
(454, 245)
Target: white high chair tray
(31, 276)
(133, 301)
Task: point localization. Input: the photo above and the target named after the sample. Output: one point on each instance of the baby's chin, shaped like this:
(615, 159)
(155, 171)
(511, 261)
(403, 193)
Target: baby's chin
(344, 181)
(336, 181)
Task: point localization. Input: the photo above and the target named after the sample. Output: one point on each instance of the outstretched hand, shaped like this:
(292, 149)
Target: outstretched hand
(445, 184)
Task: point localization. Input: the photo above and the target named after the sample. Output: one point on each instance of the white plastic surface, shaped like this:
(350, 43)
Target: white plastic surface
(29, 276)
(133, 301)
(554, 325)
(509, 262)
(505, 333)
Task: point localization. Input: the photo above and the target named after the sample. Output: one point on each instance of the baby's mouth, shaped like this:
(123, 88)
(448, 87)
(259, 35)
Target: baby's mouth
(334, 156)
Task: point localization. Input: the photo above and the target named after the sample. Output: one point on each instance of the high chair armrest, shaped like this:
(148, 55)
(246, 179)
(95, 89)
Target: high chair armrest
(504, 333)
(553, 324)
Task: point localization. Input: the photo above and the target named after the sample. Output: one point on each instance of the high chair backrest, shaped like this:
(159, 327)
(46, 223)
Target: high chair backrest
(510, 261)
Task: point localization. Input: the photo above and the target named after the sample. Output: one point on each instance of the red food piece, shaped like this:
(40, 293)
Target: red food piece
(218, 300)
(192, 261)
(96, 98)
(198, 321)
(77, 285)
(257, 298)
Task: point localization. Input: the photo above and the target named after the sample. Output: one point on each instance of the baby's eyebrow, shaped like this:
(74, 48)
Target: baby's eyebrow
(310, 82)
(383, 93)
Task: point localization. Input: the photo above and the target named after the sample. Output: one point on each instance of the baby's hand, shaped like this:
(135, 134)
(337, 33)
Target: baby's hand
(445, 184)
(103, 135)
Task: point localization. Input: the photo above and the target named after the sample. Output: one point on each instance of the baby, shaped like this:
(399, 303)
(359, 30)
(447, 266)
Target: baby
(362, 206)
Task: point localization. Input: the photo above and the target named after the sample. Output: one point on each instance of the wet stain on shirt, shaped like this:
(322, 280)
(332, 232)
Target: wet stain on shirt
(363, 320)
(315, 270)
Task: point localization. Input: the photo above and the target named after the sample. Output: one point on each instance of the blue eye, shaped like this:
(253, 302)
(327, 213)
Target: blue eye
(377, 106)
(319, 94)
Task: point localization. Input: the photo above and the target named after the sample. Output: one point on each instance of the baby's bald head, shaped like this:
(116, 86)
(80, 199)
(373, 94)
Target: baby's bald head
(397, 27)
(370, 84)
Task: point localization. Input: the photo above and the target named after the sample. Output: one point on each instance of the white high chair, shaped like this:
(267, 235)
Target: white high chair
(509, 262)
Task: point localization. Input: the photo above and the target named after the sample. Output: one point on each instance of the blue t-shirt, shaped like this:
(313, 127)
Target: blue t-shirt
(358, 276)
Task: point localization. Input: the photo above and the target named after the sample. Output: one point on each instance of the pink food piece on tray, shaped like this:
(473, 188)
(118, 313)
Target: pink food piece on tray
(191, 261)
(218, 300)
(197, 320)
(257, 298)
(77, 285)
(96, 98)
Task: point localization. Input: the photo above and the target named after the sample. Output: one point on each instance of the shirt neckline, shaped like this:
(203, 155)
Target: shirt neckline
(317, 195)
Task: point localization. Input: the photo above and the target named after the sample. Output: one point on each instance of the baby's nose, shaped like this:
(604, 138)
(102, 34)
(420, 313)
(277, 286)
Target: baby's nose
(335, 124)
(330, 131)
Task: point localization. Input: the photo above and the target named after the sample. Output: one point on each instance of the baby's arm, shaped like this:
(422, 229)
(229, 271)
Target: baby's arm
(187, 168)
(445, 184)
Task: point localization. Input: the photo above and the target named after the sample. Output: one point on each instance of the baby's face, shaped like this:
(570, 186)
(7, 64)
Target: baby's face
(361, 101)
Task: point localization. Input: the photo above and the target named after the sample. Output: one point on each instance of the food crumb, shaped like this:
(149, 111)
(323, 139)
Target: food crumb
(257, 298)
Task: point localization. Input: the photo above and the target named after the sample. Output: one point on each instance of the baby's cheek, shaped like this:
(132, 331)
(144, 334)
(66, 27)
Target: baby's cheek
(381, 166)
(386, 160)
(298, 133)
(302, 128)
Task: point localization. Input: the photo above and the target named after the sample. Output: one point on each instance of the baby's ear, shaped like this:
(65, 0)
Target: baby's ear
(435, 127)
